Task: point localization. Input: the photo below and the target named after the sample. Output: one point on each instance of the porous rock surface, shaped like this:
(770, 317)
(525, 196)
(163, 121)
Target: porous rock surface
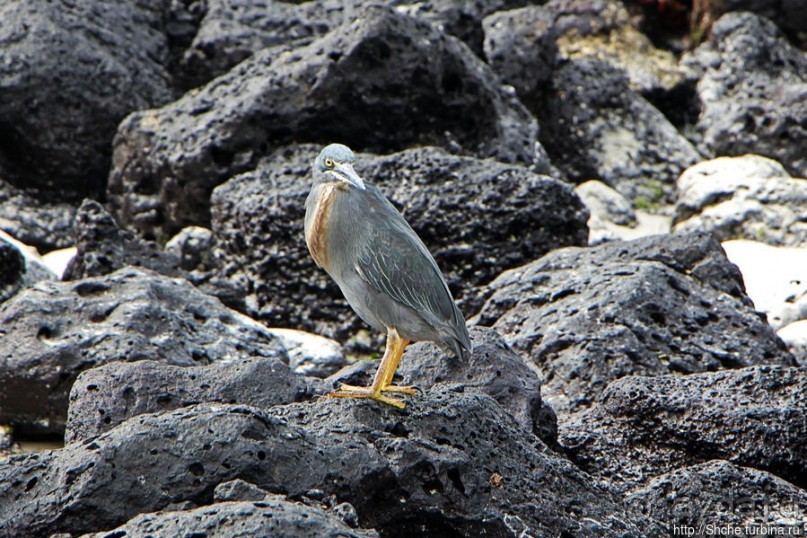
(272, 516)
(643, 427)
(477, 217)
(724, 495)
(657, 305)
(69, 74)
(40, 223)
(103, 397)
(594, 126)
(453, 463)
(56, 330)
(168, 160)
(752, 92)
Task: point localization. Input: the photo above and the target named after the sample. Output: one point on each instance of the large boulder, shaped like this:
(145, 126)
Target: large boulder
(56, 330)
(168, 160)
(594, 126)
(748, 197)
(232, 30)
(270, 516)
(752, 92)
(653, 306)
(70, 73)
(103, 397)
(644, 427)
(723, 495)
(452, 464)
(477, 217)
(525, 45)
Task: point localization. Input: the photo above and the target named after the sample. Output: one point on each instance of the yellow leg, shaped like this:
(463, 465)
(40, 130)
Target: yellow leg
(383, 377)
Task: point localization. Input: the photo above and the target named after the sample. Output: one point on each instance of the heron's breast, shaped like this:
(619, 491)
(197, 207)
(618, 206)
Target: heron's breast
(316, 234)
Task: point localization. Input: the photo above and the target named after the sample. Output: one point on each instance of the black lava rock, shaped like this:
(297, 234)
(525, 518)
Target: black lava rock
(451, 464)
(56, 330)
(594, 126)
(167, 161)
(69, 74)
(29, 217)
(646, 426)
(657, 305)
(752, 92)
(103, 397)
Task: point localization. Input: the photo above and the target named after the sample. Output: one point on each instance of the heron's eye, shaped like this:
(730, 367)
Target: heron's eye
(328, 162)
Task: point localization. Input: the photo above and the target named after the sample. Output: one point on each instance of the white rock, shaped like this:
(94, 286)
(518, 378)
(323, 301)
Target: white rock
(747, 197)
(310, 354)
(775, 279)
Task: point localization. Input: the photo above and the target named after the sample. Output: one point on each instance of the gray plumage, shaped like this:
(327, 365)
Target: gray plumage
(383, 268)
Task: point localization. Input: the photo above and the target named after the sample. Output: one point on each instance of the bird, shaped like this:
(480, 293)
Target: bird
(386, 273)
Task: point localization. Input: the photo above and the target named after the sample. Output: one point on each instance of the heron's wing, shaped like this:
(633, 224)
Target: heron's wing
(395, 262)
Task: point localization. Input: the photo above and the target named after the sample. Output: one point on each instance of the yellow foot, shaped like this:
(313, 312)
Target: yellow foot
(350, 391)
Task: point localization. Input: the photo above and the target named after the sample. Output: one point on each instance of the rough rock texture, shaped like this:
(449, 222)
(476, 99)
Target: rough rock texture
(103, 397)
(272, 516)
(167, 161)
(12, 269)
(525, 45)
(594, 126)
(103, 247)
(753, 93)
(607, 208)
(70, 73)
(646, 426)
(657, 305)
(452, 464)
(721, 494)
(748, 197)
(41, 224)
(194, 247)
(477, 217)
(233, 30)
(59, 329)
(492, 368)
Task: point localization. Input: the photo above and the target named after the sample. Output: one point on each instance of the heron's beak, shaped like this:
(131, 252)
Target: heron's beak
(346, 173)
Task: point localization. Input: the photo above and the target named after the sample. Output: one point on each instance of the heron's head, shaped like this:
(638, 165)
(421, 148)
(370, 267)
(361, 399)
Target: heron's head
(335, 163)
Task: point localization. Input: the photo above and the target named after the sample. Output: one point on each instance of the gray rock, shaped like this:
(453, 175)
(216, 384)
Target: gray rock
(167, 161)
(69, 75)
(789, 15)
(525, 45)
(310, 354)
(748, 197)
(33, 220)
(194, 248)
(272, 516)
(492, 368)
(657, 305)
(644, 427)
(594, 126)
(605, 206)
(724, 495)
(753, 93)
(233, 30)
(56, 330)
(452, 463)
(103, 397)
(103, 247)
(238, 490)
(476, 216)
